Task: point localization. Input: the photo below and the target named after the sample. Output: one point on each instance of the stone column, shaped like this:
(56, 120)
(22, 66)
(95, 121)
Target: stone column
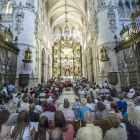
(23, 27)
(108, 26)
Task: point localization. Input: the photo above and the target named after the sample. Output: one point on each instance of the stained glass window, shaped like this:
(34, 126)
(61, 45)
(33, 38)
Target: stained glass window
(76, 35)
(57, 34)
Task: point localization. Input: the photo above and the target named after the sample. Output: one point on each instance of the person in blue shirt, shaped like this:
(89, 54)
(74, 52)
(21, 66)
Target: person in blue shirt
(122, 105)
(10, 88)
(83, 109)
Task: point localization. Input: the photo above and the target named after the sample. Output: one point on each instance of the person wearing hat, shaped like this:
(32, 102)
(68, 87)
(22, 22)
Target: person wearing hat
(17, 99)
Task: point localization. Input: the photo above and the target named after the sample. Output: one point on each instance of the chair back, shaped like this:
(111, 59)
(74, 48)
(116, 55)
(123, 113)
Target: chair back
(76, 125)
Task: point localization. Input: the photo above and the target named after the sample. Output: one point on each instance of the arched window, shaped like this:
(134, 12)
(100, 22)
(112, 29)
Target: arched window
(121, 10)
(66, 32)
(76, 34)
(57, 35)
(134, 7)
(127, 7)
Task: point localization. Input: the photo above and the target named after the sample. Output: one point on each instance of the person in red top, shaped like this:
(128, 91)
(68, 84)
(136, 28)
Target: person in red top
(67, 129)
(31, 91)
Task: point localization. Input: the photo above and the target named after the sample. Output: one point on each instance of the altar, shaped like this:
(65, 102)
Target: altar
(67, 59)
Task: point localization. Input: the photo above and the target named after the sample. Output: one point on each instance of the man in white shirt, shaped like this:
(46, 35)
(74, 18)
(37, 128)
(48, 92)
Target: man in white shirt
(81, 93)
(131, 92)
(90, 132)
(4, 90)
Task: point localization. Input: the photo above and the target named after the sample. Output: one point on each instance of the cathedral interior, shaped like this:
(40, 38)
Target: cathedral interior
(94, 39)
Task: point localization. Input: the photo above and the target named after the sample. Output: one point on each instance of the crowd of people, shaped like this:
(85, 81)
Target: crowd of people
(28, 115)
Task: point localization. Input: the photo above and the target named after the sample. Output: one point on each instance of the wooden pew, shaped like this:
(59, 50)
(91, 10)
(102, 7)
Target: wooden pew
(76, 125)
(103, 124)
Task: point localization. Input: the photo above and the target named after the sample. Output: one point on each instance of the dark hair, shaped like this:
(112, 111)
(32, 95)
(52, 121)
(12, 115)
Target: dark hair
(5, 85)
(109, 98)
(137, 93)
(100, 106)
(22, 91)
(23, 121)
(56, 134)
(66, 104)
(130, 86)
(1, 100)
(114, 106)
(60, 121)
(4, 116)
(43, 126)
(48, 107)
(47, 95)
(89, 100)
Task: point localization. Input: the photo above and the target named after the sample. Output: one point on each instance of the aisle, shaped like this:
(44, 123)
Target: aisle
(66, 94)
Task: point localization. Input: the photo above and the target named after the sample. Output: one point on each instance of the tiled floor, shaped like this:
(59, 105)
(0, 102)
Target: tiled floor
(66, 94)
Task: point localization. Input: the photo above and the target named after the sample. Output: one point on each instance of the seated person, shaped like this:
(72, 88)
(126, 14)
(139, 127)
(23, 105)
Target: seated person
(89, 132)
(131, 92)
(122, 105)
(68, 114)
(102, 113)
(115, 133)
(83, 109)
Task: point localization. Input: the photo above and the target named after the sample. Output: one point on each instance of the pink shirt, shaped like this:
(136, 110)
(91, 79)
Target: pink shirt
(68, 135)
(69, 114)
(60, 85)
(119, 114)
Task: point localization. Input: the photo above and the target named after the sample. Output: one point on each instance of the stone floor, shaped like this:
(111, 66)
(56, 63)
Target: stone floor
(67, 93)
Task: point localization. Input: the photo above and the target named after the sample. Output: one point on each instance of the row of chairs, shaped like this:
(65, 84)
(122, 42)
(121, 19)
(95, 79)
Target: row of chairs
(103, 124)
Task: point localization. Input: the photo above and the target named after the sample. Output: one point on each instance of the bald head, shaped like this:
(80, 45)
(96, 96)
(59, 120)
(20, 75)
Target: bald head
(32, 107)
(56, 134)
(88, 117)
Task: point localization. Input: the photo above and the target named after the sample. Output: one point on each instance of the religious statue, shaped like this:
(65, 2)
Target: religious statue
(67, 73)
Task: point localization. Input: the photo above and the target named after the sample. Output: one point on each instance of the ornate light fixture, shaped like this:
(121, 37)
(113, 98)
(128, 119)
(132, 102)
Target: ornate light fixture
(104, 55)
(27, 58)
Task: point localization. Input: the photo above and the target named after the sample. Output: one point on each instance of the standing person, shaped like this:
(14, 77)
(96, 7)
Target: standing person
(43, 129)
(113, 92)
(133, 124)
(61, 87)
(115, 133)
(23, 130)
(67, 129)
(10, 90)
(4, 90)
(4, 130)
(131, 92)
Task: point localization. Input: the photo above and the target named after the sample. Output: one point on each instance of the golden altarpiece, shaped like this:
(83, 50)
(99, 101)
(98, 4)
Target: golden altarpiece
(67, 59)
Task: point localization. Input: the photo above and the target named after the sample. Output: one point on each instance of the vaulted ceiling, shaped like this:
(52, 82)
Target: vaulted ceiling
(75, 9)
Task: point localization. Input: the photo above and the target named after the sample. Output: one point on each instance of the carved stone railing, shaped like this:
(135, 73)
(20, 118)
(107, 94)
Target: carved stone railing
(7, 17)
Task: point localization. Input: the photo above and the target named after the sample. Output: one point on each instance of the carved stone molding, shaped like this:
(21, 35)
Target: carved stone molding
(19, 19)
(112, 19)
(102, 6)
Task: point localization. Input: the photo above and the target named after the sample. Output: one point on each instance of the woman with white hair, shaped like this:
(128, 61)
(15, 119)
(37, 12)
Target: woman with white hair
(133, 124)
(125, 116)
(83, 109)
(13, 115)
